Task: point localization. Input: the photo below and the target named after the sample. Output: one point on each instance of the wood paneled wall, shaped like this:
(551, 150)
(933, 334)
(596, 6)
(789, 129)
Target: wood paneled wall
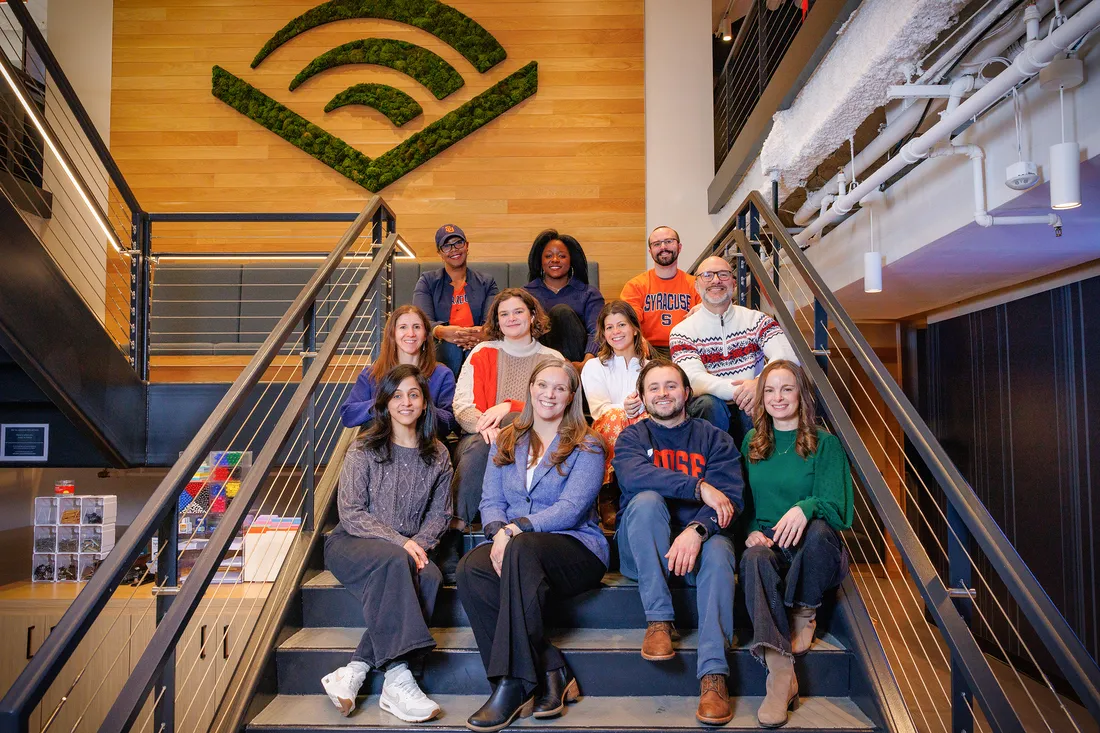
(571, 157)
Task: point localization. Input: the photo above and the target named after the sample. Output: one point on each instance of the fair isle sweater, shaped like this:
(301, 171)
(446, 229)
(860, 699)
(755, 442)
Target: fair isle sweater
(495, 372)
(715, 349)
(397, 500)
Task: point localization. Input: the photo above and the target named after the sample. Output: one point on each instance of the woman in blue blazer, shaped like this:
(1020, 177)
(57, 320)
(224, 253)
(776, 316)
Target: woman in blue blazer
(538, 507)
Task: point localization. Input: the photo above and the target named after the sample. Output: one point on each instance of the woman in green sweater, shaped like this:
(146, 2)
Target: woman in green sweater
(801, 489)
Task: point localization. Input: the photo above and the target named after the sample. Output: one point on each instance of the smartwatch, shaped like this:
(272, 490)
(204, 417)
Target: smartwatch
(701, 530)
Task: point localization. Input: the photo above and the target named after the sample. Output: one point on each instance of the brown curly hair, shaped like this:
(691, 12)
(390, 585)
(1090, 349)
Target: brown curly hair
(540, 323)
(573, 431)
(762, 444)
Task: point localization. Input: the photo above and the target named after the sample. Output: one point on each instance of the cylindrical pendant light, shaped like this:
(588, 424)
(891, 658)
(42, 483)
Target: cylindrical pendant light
(872, 272)
(1065, 176)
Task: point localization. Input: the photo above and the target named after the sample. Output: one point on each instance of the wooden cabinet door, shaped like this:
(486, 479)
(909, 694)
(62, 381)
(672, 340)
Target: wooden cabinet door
(93, 675)
(20, 636)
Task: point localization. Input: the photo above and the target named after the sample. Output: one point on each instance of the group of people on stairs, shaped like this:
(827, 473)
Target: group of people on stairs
(701, 448)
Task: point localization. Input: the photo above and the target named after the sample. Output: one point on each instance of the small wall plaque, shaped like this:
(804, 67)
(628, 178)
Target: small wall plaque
(24, 442)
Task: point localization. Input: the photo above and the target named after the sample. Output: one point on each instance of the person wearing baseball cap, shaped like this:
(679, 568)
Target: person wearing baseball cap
(455, 297)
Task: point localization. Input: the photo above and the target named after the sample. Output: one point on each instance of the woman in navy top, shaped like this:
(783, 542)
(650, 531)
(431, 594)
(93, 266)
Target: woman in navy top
(404, 341)
(558, 272)
(538, 507)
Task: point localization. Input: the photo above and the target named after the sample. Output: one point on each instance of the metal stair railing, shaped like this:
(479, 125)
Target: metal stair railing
(769, 261)
(369, 257)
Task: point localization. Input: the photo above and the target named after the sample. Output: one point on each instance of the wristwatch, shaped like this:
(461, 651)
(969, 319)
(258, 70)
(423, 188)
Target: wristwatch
(701, 530)
(508, 532)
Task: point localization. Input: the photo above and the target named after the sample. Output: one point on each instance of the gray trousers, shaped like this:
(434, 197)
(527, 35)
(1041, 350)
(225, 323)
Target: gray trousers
(644, 536)
(397, 600)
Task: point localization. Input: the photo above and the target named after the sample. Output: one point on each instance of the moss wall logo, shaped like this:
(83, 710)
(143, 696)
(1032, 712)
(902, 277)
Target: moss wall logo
(455, 29)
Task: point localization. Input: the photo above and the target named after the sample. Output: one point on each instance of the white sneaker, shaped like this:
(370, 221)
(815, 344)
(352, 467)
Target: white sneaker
(342, 686)
(402, 697)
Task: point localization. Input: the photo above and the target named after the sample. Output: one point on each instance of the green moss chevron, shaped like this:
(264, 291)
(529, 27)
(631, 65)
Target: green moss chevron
(454, 28)
(421, 64)
(390, 101)
(376, 174)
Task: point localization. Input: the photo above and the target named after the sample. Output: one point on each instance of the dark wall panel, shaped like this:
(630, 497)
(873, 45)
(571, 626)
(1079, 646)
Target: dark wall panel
(1013, 393)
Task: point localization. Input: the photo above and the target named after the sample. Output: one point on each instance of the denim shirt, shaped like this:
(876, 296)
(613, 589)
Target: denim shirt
(433, 294)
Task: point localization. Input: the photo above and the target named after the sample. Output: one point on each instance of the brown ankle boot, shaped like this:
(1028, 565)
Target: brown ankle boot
(782, 687)
(714, 700)
(608, 505)
(803, 624)
(657, 645)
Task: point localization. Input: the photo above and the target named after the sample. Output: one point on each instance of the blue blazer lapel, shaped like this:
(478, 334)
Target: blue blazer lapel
(544, 464)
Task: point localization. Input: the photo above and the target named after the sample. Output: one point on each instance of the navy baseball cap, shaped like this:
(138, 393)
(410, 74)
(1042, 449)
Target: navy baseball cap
(446, 233)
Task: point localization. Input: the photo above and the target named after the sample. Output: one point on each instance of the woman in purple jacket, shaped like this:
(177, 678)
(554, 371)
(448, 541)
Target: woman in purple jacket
(538, 507)
(404, 341)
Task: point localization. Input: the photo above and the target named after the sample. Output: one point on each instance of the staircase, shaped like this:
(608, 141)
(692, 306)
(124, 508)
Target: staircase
(600, 633)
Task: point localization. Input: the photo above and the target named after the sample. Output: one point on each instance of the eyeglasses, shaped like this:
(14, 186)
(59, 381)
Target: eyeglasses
(722, 275)
(447, 247)
(664, 242)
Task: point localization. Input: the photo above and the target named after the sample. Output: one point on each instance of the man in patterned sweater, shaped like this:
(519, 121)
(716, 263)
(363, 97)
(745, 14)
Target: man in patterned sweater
(723, 348)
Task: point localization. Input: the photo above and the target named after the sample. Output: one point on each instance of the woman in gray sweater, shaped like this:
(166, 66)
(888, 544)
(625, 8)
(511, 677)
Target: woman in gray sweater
(394, 502)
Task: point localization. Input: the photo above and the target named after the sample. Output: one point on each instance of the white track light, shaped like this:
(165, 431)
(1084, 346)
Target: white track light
(1065, 176)
(725, 27)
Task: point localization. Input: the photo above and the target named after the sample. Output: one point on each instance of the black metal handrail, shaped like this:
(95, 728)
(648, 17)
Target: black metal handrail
(127, 705)
(19, 10)
(37, 676)
(956, 632)
(1069, 653)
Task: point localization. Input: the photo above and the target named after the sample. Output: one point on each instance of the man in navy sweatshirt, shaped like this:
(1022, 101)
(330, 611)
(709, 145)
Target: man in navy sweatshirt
(680, 477)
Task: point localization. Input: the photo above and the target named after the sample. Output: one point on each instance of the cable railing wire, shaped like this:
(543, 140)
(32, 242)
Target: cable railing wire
(338, 298)
(916, 504)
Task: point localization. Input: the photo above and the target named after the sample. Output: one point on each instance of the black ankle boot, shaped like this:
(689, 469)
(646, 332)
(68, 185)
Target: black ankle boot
(507, 703)
(448, 553)
(558, 687)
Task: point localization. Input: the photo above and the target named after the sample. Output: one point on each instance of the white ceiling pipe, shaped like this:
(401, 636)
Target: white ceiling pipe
(890, 136)
(981, 216)
(904, 124)
(940, 66)
(1027, 64)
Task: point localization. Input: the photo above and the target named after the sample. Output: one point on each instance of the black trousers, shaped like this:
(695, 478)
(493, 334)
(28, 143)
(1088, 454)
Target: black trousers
(568, 334)
(775, 579)
(472, 460)
(397, 600)
(506, 611)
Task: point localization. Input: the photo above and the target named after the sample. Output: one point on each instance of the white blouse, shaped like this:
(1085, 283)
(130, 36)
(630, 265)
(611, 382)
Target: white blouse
(607, 385)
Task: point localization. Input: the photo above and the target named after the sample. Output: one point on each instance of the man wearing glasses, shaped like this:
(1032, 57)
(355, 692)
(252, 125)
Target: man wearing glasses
(455, 298)
(723, 348)
(663, 295)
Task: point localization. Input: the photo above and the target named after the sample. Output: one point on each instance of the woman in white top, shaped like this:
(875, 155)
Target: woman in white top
(610, 383)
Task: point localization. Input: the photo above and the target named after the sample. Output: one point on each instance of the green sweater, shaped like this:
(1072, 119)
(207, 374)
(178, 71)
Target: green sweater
(820, 485)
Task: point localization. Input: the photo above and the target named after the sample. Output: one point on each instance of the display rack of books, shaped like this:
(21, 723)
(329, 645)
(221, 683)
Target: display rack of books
(72, 535)
(202, 505)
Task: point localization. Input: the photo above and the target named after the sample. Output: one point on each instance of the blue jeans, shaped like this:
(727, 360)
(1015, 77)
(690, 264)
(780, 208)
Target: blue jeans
(721, 415)
(450, 355)
(644, 536)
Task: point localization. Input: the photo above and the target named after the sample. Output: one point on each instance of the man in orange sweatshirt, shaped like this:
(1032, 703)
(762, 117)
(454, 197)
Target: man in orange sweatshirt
(661, 296)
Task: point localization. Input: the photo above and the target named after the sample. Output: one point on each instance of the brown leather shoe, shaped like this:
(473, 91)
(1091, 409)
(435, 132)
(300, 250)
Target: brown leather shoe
(803, 625)
(657, 645)
(714, 700)
(782, 690)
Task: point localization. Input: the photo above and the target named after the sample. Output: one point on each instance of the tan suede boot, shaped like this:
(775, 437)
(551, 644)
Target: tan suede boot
(803, 625)
(782, 690)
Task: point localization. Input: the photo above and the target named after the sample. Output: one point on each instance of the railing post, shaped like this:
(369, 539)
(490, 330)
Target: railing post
(146, 293)
(164, 711)
(753, 235)
(309, 416)
(742, 270)
(821, 336)
(136, 230)
(959, 569)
